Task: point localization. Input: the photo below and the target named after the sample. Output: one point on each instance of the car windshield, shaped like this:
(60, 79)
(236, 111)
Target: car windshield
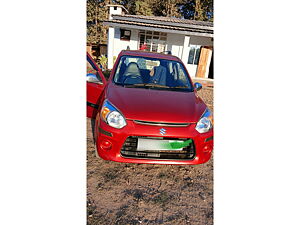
(152, 73)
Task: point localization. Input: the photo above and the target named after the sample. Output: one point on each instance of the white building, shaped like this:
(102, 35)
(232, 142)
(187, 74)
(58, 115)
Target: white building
(191, 41)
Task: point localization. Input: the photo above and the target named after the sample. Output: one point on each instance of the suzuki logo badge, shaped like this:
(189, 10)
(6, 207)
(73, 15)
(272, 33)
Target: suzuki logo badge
(162, 131)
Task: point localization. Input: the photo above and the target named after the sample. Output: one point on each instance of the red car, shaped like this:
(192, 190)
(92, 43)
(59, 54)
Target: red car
(148, 111)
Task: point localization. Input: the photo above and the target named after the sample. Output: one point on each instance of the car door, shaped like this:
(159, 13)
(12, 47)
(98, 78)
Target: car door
(95, 83)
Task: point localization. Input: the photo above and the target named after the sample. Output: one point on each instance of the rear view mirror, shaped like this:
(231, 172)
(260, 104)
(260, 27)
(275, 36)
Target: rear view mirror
(92, 78)
(198, 86)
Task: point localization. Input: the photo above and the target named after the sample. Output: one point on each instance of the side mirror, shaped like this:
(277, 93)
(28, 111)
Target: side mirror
(92, 78)
(198, 86)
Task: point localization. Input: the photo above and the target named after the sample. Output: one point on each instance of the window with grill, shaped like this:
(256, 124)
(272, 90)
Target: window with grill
(194, 54)
(152, 41)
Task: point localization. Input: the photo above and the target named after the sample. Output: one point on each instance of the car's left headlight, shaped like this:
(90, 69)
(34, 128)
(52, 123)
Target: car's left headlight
(112, 116)
(206, 122)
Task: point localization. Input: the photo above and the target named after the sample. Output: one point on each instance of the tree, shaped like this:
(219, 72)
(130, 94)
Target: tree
(197, 10)
(169, 8)
(152, 7)
(97, 11)
(198, 15)
(204, 10)
(143, 8)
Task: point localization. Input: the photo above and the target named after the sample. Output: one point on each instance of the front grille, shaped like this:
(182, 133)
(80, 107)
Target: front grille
(129, 150)
(161, 123)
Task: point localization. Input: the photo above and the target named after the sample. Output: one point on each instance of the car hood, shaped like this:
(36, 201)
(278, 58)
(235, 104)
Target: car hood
(156, 105)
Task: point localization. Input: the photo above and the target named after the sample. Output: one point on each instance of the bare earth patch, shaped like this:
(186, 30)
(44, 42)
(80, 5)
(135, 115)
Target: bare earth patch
(119, 193)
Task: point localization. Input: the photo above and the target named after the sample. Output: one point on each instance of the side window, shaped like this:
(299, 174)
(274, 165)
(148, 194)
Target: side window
(91, 70)
(182, 76)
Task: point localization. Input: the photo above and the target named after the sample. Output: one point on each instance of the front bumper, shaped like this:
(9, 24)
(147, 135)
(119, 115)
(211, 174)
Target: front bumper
(104, 133)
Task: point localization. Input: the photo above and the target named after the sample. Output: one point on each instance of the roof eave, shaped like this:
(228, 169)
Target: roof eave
(149, 21)
(112, 23)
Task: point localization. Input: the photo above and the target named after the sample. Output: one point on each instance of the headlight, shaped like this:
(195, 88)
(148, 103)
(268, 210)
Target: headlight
(205, 123)
(112, 116)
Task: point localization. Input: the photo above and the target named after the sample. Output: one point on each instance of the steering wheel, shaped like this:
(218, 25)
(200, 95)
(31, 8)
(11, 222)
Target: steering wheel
(135, 77)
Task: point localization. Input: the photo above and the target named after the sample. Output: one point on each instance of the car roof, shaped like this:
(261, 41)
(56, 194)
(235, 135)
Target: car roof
(149, 54)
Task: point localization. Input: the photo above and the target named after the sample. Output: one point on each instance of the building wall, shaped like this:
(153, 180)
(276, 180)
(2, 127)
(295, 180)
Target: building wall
(196, 40)
(110, 47)
(116, 45)
(175, 44)
(203, 41)
(114, 11)
(122, 45)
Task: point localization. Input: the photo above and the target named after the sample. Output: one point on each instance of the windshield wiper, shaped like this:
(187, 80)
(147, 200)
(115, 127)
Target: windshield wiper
(133, 85)
(181, 87)
(150, 85)
(156, 85)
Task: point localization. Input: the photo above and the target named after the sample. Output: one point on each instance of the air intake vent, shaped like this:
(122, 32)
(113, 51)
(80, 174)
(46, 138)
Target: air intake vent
(130, 150)
(161, 123)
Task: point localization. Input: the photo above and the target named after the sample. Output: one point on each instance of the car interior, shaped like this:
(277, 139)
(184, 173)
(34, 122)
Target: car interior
(131, 73)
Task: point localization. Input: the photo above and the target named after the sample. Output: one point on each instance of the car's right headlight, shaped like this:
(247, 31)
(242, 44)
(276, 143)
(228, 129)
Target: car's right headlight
(112, 116)
(205, 123)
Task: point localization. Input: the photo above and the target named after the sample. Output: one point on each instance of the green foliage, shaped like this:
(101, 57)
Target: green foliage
(103, 61)
(199, 14)
(96, 12)
(143, 8)
(197, 9)
(204, 10)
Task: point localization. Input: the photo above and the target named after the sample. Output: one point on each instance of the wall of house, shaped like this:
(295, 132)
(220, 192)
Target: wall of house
(122, 45)
(175, 44)
(110, 47)
(117, 45)
(196, 40)
(114, 11)
(203, 41)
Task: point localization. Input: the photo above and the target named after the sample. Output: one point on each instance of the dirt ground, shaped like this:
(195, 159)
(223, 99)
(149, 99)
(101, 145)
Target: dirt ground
(119, 193)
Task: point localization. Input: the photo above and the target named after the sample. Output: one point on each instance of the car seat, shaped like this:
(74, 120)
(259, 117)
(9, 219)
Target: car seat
(132, 74)
(160, 72)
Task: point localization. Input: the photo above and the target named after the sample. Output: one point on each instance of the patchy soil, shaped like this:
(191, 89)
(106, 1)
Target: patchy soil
(119, 193)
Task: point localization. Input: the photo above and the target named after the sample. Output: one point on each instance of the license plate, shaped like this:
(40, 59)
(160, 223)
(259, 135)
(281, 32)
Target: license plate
(152, 144)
